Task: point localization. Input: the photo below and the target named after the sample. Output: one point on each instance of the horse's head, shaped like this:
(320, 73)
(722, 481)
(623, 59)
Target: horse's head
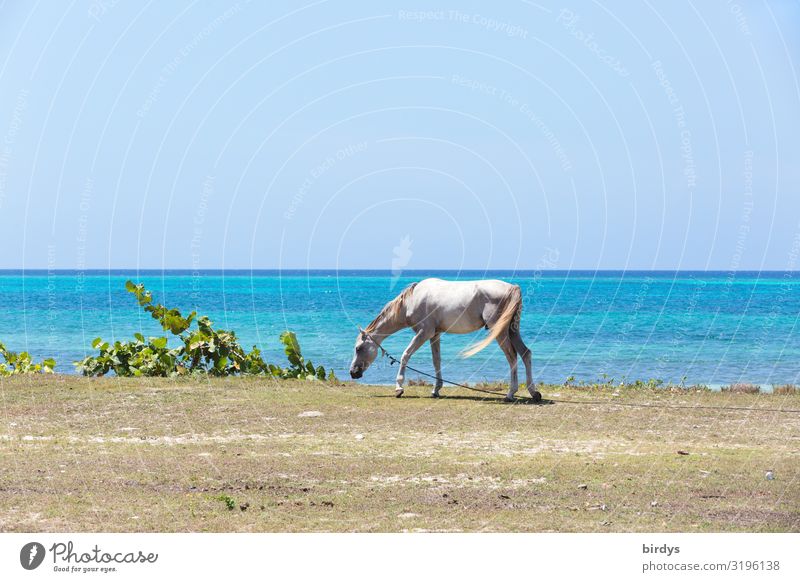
(366, 350)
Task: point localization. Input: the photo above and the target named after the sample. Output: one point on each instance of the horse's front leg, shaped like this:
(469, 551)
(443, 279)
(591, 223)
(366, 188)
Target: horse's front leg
(436, 354)
(422, 336)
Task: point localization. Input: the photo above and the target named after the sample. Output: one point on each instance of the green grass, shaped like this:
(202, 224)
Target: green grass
(79, 454)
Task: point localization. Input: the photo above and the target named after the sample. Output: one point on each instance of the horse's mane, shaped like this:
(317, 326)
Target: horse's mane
(392, 309)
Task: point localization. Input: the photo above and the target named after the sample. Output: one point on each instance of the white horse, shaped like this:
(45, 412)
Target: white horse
(432, 307)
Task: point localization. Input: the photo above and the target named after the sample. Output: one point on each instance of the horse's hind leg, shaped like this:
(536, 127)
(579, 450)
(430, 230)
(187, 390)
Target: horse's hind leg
(436, 354)
(525, 354)
(511, 356)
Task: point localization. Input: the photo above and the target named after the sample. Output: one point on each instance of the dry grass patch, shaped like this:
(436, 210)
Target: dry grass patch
(742, 388)
(264, 455)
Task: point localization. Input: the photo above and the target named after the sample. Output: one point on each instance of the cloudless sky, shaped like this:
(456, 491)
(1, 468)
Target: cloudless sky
(641, 135)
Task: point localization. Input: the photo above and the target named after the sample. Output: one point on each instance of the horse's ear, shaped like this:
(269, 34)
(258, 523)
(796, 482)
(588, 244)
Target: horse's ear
(362, 332)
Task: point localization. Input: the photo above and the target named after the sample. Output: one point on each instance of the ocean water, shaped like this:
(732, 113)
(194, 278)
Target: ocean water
(704, 327)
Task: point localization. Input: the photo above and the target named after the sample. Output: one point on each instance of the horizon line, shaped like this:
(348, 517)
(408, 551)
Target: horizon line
(402, 273)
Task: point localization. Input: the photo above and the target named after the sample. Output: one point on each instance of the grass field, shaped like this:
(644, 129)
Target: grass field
(82, 454)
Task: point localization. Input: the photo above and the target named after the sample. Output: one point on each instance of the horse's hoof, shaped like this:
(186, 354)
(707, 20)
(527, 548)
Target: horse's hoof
(398, 393)
(509, 399)
(435, 395)
(536, 396)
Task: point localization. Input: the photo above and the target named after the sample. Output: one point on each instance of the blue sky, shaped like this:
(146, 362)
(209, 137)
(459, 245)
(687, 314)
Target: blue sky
(653, 135)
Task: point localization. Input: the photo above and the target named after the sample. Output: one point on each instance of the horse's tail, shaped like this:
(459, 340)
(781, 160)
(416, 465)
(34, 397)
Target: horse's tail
(509, 308)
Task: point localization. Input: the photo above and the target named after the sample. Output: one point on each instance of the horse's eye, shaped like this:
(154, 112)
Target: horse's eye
(359, 348)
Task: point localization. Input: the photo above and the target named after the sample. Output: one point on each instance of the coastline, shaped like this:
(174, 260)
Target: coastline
(500, 387)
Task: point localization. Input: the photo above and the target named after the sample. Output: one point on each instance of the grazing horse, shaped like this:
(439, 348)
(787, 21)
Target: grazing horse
(433, 307)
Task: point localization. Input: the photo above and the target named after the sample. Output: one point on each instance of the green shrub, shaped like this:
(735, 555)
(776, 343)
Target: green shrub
(298, 367)
(229, 501)
(202, 349)
(21, 363)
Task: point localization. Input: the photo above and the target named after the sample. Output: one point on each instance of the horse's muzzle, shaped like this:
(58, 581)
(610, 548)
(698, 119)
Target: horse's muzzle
(356, 373)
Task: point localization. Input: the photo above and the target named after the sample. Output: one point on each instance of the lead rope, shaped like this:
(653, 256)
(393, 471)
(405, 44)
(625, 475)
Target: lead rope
(393, 361)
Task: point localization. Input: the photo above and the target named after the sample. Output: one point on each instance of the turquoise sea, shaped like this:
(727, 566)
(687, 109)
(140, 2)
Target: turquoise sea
(707, 327)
